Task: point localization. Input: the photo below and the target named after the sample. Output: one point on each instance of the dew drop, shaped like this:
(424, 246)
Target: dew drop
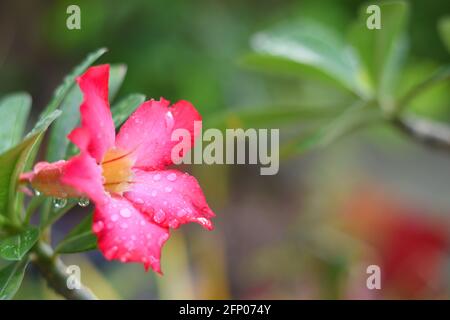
(98, 226)
(154, 193)
(110, 253)
(129, 245)
(83, 202)
(37, 193)
(169, 120)
(168, 189)
(153, 260)
(157, 177)
(162, 239)
(159, 216)
(59, 202)
(139, 201)
(172, 177)
(115, 217)
(124, 225)
(174, 224)
(181, 213)
(125, 212)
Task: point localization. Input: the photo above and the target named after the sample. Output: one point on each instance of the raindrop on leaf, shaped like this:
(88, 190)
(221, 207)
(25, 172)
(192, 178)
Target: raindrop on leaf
(59, 202)
(83, 202)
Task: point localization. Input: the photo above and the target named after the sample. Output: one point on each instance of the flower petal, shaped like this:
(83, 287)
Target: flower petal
(46, 178)
(184, 114)
(127, 235)
(170, 198)
(85, 175)
(147, 133)
(97, 133)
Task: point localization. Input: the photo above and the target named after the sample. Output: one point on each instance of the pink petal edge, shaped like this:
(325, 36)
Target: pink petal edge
(148, 132)
(97, 132)
(127, 235)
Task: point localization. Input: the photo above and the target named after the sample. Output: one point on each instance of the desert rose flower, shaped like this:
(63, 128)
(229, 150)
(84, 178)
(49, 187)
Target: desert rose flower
(137, 198)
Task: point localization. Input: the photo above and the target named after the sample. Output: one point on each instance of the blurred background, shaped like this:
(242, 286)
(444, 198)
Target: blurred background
(374, 197)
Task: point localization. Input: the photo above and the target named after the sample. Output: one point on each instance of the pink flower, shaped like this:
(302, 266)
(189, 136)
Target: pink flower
(137, 198)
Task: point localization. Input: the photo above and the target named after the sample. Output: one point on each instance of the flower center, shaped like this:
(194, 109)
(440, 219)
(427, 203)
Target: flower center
(117, 173)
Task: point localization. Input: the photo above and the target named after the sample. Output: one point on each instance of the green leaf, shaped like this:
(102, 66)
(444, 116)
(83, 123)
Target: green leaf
(440, 75)
(14, 110)
(69, 81)
(15, 247)
(382, 51)
(125, 107)
(13, 162)
(357, 116)
(117, 74)
(269, 116)
(55, 215)
(79, 239)
(444, 31)
(306, 48)
(58, 142)
(11, 278)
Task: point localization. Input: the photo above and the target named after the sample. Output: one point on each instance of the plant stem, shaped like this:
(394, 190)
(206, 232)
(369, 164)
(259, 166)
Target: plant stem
(55, 215)
(428, 132)
(32, 207)
(54, 271)
(440, 75)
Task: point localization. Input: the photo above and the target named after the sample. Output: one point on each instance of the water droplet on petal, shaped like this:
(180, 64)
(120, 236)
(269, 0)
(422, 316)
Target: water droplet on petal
(59, 202)
(129, 245)
(172, 177)
(162, 239)
(139, 201)
(98, 226)
(115, 217)
(125, 212)
(168, 189)
(153, 260)
(157, 177)
(83, 202)
(154, 193)
(110, 253)
(181, 213)
(174, 224)
(169, 120)
(37, 193)
(124, 225)
(159, 216)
